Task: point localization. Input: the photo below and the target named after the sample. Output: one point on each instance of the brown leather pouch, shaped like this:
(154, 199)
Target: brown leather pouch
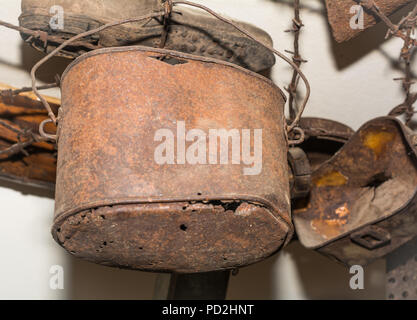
(363, 201)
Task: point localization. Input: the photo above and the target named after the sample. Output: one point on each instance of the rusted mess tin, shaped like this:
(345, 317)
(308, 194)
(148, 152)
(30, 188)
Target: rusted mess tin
(116, 204)
(363, 202)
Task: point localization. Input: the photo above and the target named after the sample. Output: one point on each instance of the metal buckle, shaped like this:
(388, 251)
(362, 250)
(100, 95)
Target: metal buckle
(371, 237)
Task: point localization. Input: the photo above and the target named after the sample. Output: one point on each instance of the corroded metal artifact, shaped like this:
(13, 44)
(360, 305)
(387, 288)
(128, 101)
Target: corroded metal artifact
(115, 205)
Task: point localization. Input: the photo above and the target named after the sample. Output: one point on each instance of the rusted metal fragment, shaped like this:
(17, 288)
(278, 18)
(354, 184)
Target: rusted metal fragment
(365, 193)
(325, 129)
(340, 16)
(24, 112)
(113, 103)
(323, 139)
(300, 173)
(177, 236)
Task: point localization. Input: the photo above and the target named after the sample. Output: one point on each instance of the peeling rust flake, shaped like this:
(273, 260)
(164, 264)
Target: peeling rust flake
(378, 141)
(331, 179)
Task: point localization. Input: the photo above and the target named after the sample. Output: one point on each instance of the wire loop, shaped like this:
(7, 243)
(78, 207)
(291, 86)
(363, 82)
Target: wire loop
(166, 12)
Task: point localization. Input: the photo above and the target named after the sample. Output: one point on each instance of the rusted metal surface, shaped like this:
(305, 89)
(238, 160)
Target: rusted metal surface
(371, 237)
(301, 173)
(340, 16)
(116, 206)
(325, 129)
(187, 31)
(36, 165)
(402, 273)
(323, 138)
(363, 201)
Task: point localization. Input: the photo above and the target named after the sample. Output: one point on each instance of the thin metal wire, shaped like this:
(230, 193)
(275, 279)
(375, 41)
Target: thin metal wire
(290, 127)
(14, 92)
(168, 10)
(69, 41)
(43, 133)
(279, 54)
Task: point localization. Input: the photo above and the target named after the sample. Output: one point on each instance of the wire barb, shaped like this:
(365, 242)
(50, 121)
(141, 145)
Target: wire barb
(297, 25)
(20, 146)
(403, 30)
(297, 117)
(168, 5)
(166, 12)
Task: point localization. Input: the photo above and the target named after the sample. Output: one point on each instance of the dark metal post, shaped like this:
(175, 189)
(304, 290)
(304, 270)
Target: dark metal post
(199, 286)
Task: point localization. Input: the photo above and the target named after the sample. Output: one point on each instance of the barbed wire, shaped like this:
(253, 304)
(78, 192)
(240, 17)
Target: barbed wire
(404, 30)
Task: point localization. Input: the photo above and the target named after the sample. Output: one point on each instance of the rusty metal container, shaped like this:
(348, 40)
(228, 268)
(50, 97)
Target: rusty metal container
(116, 206)
(363, 201)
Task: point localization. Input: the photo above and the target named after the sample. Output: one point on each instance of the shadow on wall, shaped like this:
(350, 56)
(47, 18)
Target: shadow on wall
(27, 190)
(349, 52)
(92, 281)
(30, 56)
(318, 278)
(254, 282)
(323, 278)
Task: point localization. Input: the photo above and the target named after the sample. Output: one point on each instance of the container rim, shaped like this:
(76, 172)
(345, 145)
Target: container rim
(171, 53)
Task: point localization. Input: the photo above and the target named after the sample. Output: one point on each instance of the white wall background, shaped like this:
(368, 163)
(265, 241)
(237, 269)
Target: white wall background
(351, 83)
